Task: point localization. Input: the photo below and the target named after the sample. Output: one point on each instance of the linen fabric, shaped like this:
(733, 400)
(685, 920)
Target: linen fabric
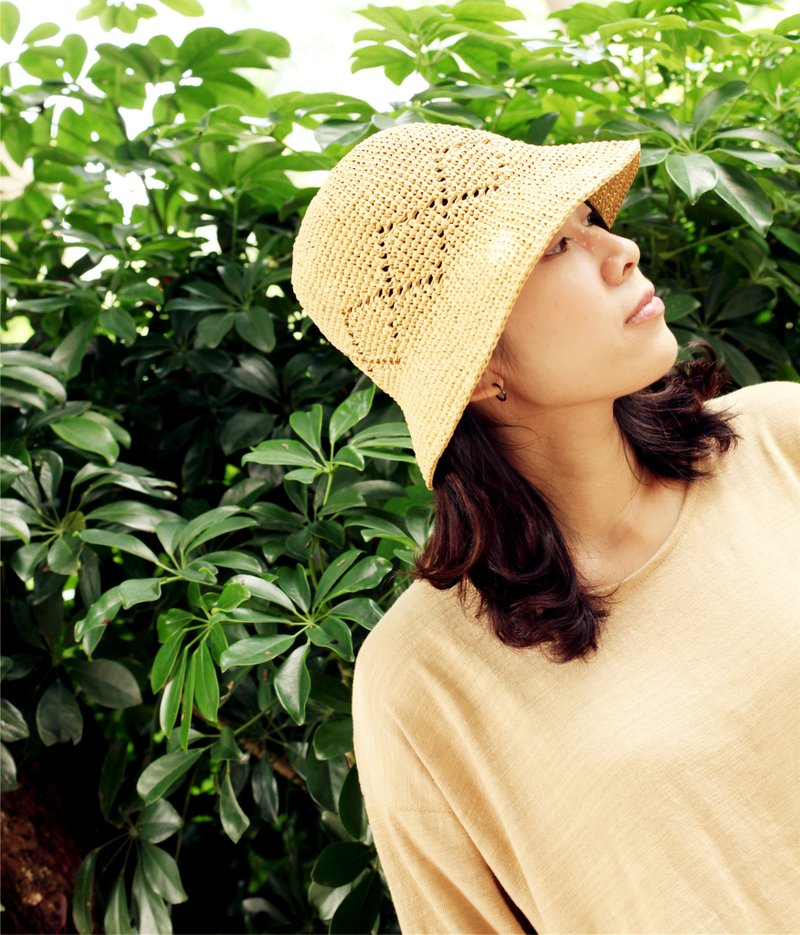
(413, 251)
(650, 788)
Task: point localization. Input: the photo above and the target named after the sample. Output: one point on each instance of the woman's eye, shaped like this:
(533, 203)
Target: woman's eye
(560, 247)
(595, 219)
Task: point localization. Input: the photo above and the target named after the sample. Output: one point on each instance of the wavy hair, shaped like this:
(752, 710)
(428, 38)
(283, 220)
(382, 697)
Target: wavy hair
(496, 530)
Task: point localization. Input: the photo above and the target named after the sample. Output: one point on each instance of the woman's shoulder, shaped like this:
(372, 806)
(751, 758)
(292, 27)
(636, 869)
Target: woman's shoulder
(422, 627)
(766, 419)
(776, 399)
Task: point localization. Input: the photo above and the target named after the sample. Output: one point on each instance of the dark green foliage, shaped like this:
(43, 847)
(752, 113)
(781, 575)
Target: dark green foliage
(203, 504)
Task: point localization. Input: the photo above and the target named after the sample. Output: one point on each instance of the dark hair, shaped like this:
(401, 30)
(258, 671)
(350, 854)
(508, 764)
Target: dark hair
(493, 528)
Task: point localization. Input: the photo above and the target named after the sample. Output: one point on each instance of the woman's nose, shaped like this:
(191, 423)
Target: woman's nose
(621, 259)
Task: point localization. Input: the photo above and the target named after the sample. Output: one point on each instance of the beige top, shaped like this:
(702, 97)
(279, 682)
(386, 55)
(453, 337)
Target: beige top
(652, 788)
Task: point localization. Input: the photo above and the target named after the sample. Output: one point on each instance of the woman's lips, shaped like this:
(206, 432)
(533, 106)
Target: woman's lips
(651, 307)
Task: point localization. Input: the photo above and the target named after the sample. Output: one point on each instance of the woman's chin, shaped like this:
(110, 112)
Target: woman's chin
(664, 354)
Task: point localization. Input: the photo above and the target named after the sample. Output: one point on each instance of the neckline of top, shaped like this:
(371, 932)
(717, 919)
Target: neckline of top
(666, 548)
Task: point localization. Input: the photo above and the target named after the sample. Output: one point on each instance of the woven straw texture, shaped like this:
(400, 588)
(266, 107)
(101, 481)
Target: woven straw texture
(413, 252)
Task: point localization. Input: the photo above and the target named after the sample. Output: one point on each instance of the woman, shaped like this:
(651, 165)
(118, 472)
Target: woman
(582, 717)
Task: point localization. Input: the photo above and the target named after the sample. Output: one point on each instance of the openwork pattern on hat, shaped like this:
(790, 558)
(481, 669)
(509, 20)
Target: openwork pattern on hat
(414, 250)
(411, 251)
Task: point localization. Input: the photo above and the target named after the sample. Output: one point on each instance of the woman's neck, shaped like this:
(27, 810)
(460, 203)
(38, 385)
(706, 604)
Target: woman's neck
(612, 512)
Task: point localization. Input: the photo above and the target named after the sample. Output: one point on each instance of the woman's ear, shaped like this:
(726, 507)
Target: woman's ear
(490, 384)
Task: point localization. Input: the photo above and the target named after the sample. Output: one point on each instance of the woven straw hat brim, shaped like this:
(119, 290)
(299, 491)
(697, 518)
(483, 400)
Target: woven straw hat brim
(412, 255)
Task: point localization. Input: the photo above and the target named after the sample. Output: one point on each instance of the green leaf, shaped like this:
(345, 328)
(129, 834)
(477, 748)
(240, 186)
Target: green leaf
(58, 716)
(244, 429)
(161, 872)
(358, 910)
(308, 425)
(265, 590)
(292, 684)
(171, 697)
(341, 863)
(206, 685)
(102, 612)
(256, 327)
(654, 155)
(711, 102)
(63, 556)
(186, 7)
(74, 51)
(217, 641)
(254, 651)
(119, 540)
(225, 748)
(40, 33)
(368, 573)
(158, 821)
(747, 301)
(265, 790)
(83, 894)
(107, 682)
(758, 157)
(234, 821)
(173, 620)
(8, 770)
(679, 305)
(187, 702)
(349, 413)
(228, 558)
(740, 367)
(787, 237)
(139, 591)
(304, 475)
(351, 805)
(788, 25)
(362, 610)
(15, 526)
(165, 772)
(753, 133)
(540, 127)
(282, 451)
(213, 328)
(88, 435)
(26, 560)
(165, 660)
(233, 594)
(333, 738)
(693, 174)
(38, 378)
(736, 188)
(331, 575)
(119, 322)
(12, 723)
(662, 119)
(69, 354)
(295, 585)
(51, 469)
(334, 634)
(112, 775)
(9, 21)
(153, 914)
(117, 918)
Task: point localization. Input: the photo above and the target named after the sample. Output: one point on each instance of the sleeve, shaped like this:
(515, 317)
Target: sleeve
(439, 880)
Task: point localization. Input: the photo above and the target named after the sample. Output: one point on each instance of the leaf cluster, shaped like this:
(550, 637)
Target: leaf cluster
(204, 507)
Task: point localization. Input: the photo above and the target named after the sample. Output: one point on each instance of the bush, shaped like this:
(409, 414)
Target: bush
(202, 501)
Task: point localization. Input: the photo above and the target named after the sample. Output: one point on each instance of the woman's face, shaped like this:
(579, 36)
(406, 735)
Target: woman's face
(574, 335)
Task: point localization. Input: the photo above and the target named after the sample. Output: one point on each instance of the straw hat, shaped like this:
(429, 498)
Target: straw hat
(412, 254)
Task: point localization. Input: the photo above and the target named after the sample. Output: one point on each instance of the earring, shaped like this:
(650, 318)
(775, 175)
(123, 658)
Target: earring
(502, 395)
